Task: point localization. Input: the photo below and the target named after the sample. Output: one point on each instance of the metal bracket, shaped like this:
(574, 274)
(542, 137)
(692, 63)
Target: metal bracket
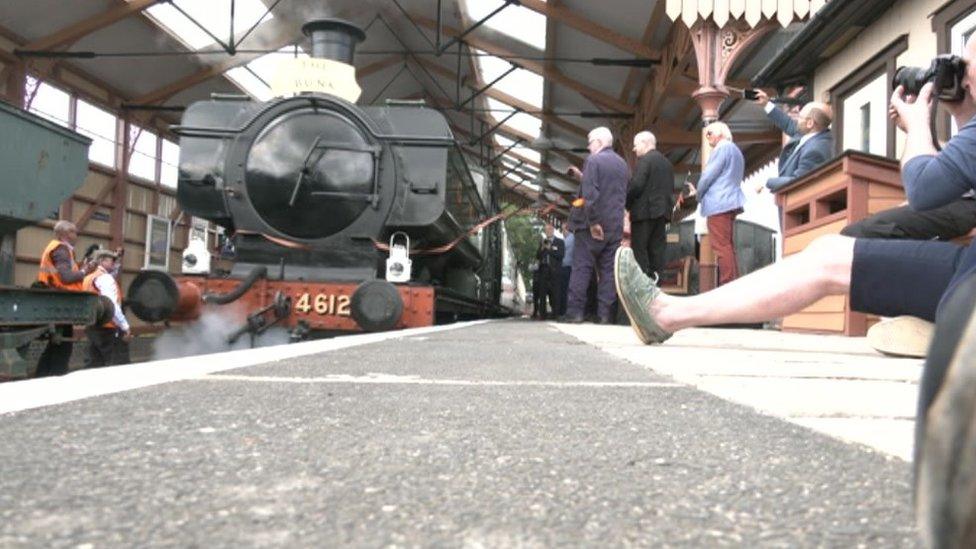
(496, 126)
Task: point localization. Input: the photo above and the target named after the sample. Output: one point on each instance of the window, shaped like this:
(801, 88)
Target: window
(866, 127)
(158, 234)
(959, 34)
(142, 162)
(861, 104)
(100, 125)
(170, 164)
(865, 120)
(952, 24)
(47, 101)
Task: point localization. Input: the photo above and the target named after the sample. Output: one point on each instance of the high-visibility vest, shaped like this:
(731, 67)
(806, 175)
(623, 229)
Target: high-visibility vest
(88, 285)
(48, 273)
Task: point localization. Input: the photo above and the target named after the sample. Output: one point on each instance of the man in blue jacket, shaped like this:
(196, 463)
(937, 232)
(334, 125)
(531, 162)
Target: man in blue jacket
(927, 279)
(811, 141)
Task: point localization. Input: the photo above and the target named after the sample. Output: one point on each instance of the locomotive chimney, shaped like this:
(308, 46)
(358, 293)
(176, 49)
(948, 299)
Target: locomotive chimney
(333, 39)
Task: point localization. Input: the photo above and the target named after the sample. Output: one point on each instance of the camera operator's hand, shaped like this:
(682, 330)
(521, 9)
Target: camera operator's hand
(912, 114)
(914, 117)
(762, 98)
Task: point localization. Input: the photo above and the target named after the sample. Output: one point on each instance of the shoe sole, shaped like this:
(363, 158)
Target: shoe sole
(903, 337)
(616, 284)
(946, 483)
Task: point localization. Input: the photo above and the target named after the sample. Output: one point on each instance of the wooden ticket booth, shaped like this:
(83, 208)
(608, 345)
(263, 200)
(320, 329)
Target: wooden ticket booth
(847, 189)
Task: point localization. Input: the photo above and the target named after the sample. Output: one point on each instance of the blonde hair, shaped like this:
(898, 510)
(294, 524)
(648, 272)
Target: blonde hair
(719, 128)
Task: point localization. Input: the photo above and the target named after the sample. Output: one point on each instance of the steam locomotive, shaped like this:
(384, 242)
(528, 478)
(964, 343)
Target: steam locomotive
(343, 218)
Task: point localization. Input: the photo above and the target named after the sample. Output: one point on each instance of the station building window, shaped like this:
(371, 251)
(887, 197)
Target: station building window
(861, 104)
(100, 125)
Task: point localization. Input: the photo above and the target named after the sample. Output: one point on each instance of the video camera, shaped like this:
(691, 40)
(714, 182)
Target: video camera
(946, 72)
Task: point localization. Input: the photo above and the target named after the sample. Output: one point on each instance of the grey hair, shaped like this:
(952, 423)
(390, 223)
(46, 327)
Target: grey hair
(646, 137)
(62, 227)
(601, 134)
(721, 128)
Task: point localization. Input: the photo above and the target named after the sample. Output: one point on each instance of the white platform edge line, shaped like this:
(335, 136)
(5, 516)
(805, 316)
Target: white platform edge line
(405, 380)
(36, 393)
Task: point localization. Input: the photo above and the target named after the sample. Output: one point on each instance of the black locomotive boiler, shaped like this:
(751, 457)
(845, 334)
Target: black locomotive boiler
(313, 189)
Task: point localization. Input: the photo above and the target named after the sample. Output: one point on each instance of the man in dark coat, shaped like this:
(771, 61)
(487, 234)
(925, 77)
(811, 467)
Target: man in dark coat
(597, 220)
(550, 256)
(811, 141)
(650, 200)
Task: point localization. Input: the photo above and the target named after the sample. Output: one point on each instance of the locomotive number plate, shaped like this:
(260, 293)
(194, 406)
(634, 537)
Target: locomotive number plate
(323, 304)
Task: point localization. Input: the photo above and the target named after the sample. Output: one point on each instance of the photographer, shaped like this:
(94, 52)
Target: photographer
(926, 279)
(811, 141)
(550, 256)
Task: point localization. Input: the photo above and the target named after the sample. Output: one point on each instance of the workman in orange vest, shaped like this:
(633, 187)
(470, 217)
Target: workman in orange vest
(60, 271)
(108, 344)
(58, 267)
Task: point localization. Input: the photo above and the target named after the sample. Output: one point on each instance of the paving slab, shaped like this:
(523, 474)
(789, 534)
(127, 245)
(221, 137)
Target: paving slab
(836, 385)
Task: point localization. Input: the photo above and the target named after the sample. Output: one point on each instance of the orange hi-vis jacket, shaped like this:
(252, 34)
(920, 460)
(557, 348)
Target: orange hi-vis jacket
(48, 273)
(88, 285)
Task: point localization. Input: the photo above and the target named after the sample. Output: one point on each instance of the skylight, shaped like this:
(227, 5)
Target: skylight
(524, 85)
(255, 77)
(214, 15)
(517, 22)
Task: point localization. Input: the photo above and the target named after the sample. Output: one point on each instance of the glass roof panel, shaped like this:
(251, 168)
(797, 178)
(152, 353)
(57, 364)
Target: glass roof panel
(523, 84)
(520, 23)
(214, 15)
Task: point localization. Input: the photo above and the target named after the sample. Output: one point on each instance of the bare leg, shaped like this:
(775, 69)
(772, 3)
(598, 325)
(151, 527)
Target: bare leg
(785, 287)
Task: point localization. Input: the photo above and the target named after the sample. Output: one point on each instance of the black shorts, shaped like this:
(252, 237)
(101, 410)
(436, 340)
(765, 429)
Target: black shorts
(905, 277)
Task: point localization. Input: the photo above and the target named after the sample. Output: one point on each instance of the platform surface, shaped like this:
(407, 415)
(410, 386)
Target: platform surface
(498, 434)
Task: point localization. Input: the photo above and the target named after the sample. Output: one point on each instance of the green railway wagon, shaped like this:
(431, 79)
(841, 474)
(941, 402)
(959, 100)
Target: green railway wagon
(43, 164)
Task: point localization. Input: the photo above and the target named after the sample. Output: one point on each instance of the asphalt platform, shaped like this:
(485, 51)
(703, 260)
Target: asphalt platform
(492, 434)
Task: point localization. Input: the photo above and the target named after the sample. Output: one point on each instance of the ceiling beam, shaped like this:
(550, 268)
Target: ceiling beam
(537, 67)
(634, 73)
(72, 33)
(379, 65)
(589, 27)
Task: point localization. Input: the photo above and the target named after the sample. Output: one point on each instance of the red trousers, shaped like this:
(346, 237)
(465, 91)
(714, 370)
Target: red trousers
(720, 233)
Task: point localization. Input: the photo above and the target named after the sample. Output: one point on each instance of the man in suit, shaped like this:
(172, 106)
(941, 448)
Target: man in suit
(550, 256)
(649, 201)
(597, 219)
(811, 141)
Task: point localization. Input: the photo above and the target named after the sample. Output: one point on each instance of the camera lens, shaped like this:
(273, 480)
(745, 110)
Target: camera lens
(912, 79)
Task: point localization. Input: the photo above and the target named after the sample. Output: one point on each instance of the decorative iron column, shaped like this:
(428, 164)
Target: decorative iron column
(716, 51)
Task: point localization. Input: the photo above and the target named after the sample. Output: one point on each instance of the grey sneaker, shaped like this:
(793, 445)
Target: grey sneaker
(636, 292)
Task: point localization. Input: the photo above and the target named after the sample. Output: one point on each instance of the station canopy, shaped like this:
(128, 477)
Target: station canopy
(522, 83)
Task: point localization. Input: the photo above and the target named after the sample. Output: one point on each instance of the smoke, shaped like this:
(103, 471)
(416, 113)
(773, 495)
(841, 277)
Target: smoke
(209, 335)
